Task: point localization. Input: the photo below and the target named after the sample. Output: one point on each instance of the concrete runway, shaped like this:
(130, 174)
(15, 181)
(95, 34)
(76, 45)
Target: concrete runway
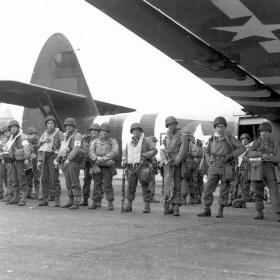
(60, 244)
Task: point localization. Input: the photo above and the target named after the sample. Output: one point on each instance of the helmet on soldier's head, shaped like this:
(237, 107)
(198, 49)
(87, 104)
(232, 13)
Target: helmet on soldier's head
(70, 121)
(186, 132)
(105, 127)
(265, 126)
(95, 126)
(4, 129)
(50, 118)
(31, 130)
(135, 126)
(169, 120)
(13, 123)
(245, 135)
(220, 120)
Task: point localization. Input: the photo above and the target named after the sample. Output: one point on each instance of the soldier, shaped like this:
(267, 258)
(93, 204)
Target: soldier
(7, 165)
(19, 155)
(71, 155)
(87, 141)
(199, 171)
(103, 153)
(154, 172)
(33, 177)
(243, 181)
(264, 155)
(137, 158)
(220, 153)
(2, 164)
(190, 163)
(172, 156)
(49, 145)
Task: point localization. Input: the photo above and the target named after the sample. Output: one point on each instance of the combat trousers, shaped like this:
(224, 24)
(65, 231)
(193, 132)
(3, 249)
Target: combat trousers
(152, 185)
(199, 182)
(245, 186)
(50, 176)
(72, 180)
(269, 176)
(9, 175)
(87, 180)
(189, 187)
(132, 184)
(103, 180)
(177, 197)
(33, 179)
(210, 187)
(19, 180)
(2, 174)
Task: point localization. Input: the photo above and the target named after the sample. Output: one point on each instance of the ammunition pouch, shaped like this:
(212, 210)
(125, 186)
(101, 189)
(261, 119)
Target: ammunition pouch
(80, 156)
(145, 172)
(256, 169)
(19, 154)
(8, 157)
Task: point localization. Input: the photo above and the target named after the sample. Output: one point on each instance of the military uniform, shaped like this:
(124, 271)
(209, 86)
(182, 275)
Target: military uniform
(49, 145)
(172, 156)
(220, 152)
(269, 154)
(137, 156)
(71, 155)
(33, 177)
(16, 148)
(103, 152)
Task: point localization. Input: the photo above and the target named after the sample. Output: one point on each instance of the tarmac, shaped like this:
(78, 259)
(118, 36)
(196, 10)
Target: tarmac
(45, 243)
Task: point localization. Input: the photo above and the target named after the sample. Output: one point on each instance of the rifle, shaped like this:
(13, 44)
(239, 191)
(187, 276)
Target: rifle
(123, 188)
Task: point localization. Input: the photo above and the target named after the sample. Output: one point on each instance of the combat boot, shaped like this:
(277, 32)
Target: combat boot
(166, 208)
(35, 195)
(197, 200)
(205, 213)
(76, 203)
(57, 201)
(93, 206)
(110, 205)
(147, 208)
(7, 198)
(176, 210)
(220, 212)
(22, 201)
(44, 202)
(171, 209)
(14, 200)
(84, 202)
(128, 207)
(260, 215)
(69, 202)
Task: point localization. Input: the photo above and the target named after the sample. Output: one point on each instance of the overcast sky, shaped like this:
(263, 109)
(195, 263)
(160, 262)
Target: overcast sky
(119, 67)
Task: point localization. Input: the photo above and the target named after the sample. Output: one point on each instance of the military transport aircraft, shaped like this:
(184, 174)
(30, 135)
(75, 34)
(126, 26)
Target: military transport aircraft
(58, 87)
(233, 45)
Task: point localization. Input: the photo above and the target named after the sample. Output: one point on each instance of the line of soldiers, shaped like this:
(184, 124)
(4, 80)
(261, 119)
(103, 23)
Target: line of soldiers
(28, 159)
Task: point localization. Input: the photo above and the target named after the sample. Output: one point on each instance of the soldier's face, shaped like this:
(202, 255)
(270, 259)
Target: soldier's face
(104, 133)
(94, 133)
(172, 127)
(220, 129)
(50, 125)
(69, 128)
(264, 134)
(136, 132)
(14, 129)
(245, 141)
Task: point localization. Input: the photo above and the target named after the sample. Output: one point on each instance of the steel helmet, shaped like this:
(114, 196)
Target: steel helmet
(50, 118)
(186, 131)
(13, 123)
(94, 126)
(31, 130)
(265, 126)
(70, 121)
(169, 120)
(105, 127)
(245, 135)
(135, 126)
(220, 120)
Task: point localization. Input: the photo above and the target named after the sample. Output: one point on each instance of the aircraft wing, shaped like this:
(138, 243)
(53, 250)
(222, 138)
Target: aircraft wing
(233, 45)
(34, 96)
